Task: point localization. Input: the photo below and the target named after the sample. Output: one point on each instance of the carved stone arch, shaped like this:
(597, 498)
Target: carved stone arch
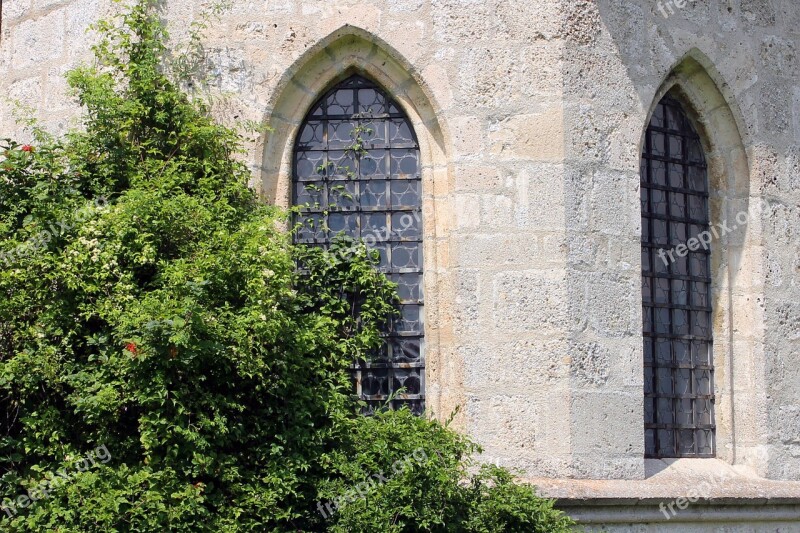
(736, 289)
(345, 52)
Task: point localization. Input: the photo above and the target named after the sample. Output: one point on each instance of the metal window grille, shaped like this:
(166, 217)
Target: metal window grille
(676, 298)
(374, 195)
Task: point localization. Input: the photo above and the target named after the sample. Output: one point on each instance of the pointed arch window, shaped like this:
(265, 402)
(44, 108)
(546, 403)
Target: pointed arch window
(676, 288)
(357, 172)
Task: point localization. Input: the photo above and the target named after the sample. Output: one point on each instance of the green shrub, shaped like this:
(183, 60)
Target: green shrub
(169, 361)
(403, 473)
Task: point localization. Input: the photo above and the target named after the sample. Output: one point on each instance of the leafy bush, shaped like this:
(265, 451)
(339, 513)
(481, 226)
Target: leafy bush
(403, 473)
(169, 361)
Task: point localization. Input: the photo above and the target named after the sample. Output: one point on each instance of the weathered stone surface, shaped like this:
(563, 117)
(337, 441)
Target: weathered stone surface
(530, 117)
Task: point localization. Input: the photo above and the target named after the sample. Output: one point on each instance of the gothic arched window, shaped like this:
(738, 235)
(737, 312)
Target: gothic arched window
(357, 173)
(676, 288)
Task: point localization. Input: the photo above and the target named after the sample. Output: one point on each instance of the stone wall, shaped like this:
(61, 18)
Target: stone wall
(530, 115)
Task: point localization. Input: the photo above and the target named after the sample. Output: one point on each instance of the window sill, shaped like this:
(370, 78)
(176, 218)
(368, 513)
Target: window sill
(713, 480)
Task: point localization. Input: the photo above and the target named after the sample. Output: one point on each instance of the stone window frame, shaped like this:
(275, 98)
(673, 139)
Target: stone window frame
(740, 383)
(351, 50)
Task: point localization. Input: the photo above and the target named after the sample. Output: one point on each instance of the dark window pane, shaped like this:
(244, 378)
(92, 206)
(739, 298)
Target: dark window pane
(310, 193)
(371, 192)
(675, 118)
(697, 208)
(658, 172)
(664, 385)
(658, 198)
(702, 412)
(683, 381)
(663, 352)
(341, 102)
(373, 165)
(342, 223)
(702, 353)
(661, 261)
(371, 101)
(309, 165)
(405, 225)
(649, 411)
(680, 267)
(409, 286)
(658, 119)
(649, 442)
(685, 412)
(680, 322)
(406, 256)
(666, 443)
(662, 322)
(660, 235)
(679, 233)
(404, 163)
(400, 133)
(647, 289)
(676, 152)
(677, 205)
(682, 352)
(703, 382)
(705, 440)
(661, 292)
(695, 151)
(405, 193)
(676, 175)
(658, 144)
(342, 195)
(665, 412)
(686, 438)
(679, 338)
(312, 135)
(649, 377)
(680, 293)
(698, 262)
(648, 350)
(373, 133)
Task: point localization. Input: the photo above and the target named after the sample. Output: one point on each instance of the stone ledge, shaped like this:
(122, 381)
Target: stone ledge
(698, 513)
(721, 493)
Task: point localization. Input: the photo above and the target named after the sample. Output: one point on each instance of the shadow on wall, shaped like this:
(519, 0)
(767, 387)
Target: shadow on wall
(646, 63)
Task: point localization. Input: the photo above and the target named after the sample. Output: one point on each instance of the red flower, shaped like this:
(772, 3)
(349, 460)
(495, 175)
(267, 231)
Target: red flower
(131, 347)
(27, 148)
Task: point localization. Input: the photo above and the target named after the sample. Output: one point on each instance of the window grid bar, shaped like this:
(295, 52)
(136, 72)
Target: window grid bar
(686, 428)
(382, 192)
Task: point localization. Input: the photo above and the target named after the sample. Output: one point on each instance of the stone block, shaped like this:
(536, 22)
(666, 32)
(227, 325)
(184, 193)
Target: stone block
(38, 41)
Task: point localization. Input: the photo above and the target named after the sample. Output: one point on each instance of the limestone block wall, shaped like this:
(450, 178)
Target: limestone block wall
(530, 115)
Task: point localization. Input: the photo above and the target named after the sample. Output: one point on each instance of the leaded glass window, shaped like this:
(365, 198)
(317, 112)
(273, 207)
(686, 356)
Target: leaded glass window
(676, 289)
(357, 173)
